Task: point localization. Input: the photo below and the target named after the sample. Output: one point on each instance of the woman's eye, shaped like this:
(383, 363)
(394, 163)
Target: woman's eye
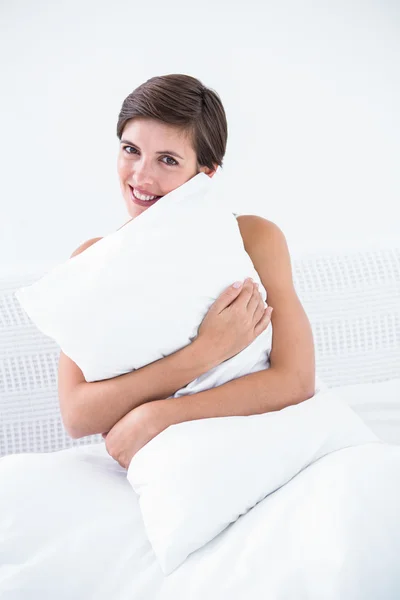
(134, 151)
(173, 161)
(126, 148)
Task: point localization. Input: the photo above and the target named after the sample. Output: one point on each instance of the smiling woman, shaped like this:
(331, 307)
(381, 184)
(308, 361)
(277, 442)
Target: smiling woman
(171, 128)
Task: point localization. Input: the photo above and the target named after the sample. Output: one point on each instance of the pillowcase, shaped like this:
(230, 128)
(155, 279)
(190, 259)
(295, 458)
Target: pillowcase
(197, 477)
(140, 293)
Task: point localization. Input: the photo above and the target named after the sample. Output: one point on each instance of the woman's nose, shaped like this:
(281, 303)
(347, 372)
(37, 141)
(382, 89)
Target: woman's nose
(143, 173)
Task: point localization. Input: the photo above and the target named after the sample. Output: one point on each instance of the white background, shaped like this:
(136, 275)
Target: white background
(311, 92)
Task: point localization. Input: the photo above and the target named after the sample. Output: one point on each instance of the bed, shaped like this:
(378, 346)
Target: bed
(331, 532)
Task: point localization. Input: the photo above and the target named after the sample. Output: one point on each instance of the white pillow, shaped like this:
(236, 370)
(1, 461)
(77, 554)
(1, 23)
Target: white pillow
(141, 292)
(197, 477)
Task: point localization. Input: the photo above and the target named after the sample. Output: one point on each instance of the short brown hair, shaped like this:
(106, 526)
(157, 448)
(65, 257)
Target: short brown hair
(183, 101)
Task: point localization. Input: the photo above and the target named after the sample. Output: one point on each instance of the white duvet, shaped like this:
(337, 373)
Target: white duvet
(71, 528)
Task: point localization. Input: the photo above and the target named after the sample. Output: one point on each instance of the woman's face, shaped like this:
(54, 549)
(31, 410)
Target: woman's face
(153, 159)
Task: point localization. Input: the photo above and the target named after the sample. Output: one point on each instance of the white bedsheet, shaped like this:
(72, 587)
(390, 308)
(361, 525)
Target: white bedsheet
(70, 527)
(331, 533)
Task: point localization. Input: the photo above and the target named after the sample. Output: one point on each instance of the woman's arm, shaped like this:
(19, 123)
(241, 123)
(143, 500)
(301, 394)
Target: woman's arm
(292, 352)
(95, 407)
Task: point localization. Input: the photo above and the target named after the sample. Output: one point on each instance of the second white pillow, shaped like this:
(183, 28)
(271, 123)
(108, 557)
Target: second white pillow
(197, 477)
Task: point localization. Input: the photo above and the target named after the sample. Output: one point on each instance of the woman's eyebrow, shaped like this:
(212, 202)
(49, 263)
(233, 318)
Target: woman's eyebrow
(159, 152)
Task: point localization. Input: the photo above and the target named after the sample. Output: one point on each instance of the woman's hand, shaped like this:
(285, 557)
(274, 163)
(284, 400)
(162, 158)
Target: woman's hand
(134, 431)
(234, 321)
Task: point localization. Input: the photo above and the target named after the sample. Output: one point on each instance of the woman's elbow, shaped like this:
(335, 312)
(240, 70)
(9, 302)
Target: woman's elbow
(307, 387)
(72, 421)
(304, 385)
(72, 428)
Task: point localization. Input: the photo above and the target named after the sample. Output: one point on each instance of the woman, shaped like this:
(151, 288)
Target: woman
(171, 128)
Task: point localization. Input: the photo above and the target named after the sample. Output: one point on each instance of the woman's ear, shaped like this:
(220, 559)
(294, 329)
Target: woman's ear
(208, 171)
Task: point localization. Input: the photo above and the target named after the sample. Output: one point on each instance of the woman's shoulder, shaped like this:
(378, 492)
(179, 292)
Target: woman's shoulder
(85, 245)
(254, 228)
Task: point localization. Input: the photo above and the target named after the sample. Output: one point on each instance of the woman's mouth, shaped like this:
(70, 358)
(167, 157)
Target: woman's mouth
(140, 201)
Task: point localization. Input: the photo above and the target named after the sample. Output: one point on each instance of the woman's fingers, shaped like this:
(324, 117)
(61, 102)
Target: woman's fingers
(259, 312)
(247, 292)
(226, 298)
(243, 294)
(256, 304)
(253, 301)
(264, 321)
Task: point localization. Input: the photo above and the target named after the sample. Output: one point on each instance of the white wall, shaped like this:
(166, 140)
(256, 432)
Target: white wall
(311, 91)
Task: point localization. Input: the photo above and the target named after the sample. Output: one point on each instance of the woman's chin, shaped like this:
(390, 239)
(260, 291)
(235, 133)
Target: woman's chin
(134, 211)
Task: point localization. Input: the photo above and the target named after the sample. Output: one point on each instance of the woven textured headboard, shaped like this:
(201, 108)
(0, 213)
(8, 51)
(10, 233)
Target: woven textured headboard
(351, 298)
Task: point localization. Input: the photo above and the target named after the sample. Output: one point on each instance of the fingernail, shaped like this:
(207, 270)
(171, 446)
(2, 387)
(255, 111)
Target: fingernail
(237, 284)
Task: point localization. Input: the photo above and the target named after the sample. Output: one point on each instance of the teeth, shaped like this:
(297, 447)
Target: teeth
(143, 197)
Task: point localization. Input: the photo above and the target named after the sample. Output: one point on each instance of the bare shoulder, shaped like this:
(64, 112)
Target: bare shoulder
(257, 231)
(268, 249)
(85, 245)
